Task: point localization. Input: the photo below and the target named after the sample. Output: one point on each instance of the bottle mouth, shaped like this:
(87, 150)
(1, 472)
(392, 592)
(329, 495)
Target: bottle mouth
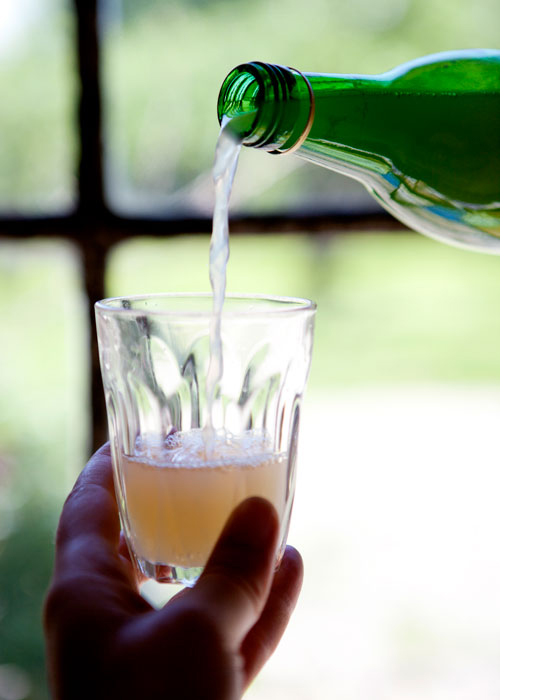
(241, 98)
(268, 106)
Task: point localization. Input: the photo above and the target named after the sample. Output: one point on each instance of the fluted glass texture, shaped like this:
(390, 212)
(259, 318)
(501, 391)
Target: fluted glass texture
(181, 465)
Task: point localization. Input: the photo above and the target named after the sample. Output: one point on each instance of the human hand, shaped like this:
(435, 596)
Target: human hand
(104, 641)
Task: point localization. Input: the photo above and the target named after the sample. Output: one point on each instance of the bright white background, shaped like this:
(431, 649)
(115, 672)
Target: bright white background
(525, 455)
(396, 516)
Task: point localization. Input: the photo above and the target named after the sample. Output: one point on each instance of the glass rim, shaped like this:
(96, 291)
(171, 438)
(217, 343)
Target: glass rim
(286, 305)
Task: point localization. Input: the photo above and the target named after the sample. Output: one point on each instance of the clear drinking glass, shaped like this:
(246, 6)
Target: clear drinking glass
(181, 466)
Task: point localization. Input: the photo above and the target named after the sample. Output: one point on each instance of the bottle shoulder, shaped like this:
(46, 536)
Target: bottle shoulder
(450, 72)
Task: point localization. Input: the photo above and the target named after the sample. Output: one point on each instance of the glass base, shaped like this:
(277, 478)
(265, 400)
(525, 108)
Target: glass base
(154, 588)
(164, 573)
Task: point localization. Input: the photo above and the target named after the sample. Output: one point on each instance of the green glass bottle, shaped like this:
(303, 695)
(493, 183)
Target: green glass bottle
(424, 138)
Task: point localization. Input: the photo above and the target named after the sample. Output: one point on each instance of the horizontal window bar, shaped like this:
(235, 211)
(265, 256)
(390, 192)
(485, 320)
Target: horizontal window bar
(118, 228)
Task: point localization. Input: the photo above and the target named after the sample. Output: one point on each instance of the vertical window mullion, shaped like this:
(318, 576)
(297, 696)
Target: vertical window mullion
(91, 212)
(90, 167)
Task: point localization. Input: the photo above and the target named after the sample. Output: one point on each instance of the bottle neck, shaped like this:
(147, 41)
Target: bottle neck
(269, 107)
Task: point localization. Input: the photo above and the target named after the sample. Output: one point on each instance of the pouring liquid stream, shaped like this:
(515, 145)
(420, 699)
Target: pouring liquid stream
(225, 164)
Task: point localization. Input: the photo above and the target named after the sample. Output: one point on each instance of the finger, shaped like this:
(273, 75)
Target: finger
(91, 588)
(236, 580)
(89, 527)
(263, 638)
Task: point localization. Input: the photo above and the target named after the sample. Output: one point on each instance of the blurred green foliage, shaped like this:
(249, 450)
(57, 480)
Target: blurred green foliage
(43, 436)
(391, 308)
(37, 114)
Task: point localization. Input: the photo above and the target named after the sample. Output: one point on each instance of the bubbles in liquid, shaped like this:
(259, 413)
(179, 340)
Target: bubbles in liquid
(196, 449)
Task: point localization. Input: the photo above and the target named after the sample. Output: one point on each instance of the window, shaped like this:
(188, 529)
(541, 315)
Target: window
(107, 128)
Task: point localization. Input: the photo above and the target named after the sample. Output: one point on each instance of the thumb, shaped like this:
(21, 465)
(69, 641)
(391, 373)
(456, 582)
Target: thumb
(237, 578)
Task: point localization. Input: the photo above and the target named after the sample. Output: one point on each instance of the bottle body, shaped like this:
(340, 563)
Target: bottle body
(423, 138)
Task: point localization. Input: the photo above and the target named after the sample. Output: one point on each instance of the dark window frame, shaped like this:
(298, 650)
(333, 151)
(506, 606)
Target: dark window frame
(94, 228)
